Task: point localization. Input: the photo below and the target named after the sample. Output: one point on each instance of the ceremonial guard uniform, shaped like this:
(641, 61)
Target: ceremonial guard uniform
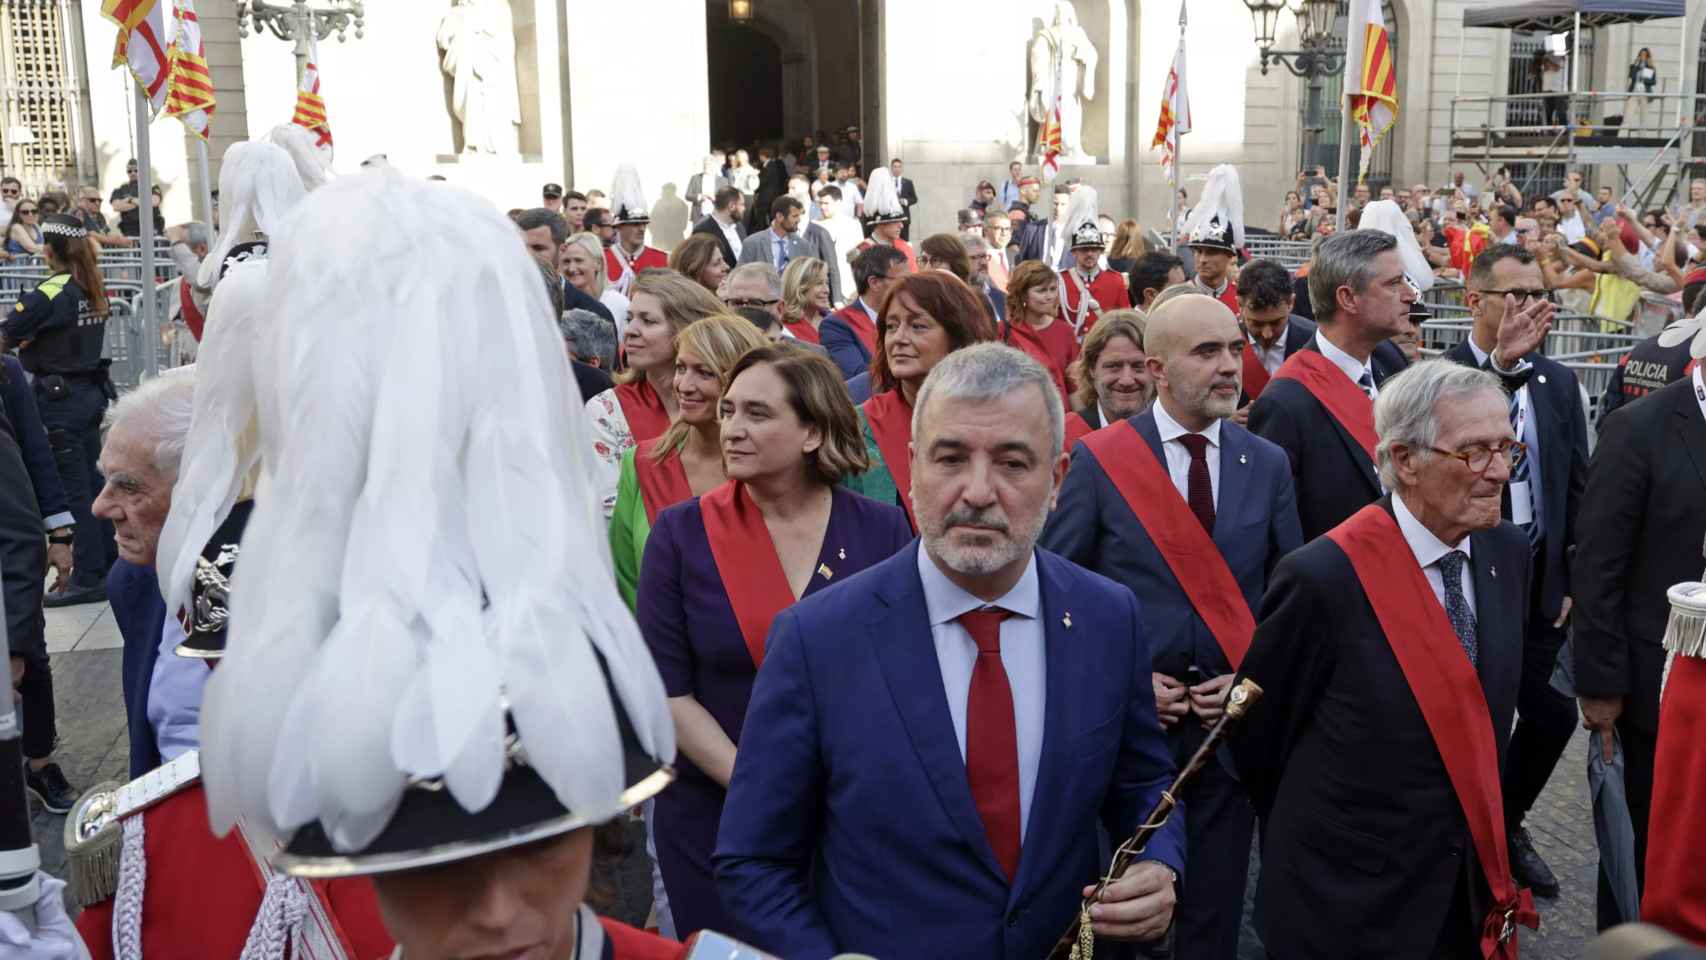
(1674, 898)
(623, 260)
(885, 217)
(1087, 292)
(1216, 226)
(60, 330)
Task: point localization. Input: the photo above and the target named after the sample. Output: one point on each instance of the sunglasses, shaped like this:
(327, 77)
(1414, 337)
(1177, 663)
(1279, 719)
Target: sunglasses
(27, 212)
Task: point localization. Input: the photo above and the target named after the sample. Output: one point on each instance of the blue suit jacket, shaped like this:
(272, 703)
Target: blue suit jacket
(134, 594)
(1255, 525)
(844, 346)
(849, 824)
(20, 404)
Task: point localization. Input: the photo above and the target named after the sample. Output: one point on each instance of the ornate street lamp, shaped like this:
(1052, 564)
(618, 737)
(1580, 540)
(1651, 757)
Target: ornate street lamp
(299, 22)
(1320, 53)
(740, 11)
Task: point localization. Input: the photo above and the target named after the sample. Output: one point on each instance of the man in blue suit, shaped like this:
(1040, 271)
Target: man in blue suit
(931, 744)
(1188, 509)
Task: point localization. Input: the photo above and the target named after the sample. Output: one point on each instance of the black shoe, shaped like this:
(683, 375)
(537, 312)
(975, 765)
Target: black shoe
(50, 787)
(1528, 869)
(72, 595)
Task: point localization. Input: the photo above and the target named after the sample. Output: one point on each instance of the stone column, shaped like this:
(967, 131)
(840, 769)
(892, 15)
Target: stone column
(218, 20)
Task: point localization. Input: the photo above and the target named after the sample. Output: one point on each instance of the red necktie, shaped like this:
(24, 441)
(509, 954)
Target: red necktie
(992, 739)
(1200, 486)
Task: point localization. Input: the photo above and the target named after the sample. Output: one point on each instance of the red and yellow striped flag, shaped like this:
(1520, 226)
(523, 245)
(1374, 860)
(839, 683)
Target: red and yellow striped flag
(141, 44)
(1373, 96)
(310, 106)
(189, 85)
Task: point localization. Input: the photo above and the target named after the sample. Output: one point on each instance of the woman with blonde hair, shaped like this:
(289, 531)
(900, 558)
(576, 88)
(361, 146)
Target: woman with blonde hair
(805, 297)
(743, 176)
(582, 264)
(1127, 247)
(719, 568)
(1112, 381)
(700, 258)
(687, 460)
(642, 404)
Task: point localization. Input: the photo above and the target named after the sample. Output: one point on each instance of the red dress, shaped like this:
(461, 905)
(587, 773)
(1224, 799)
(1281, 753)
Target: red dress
(1053, 346)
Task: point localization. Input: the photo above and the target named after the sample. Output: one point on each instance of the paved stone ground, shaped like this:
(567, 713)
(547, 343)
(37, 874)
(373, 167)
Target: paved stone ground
(85, 645)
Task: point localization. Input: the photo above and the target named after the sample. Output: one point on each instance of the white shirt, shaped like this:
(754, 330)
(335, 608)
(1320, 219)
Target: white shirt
(1530, 428)
(851, 198)
(1572, 228)
(1022, 656)
(1179, 458)
(1272, 357)
(617, 304)
(847, 234)
(731, 233)
(1428, 549)
(174, 695)
(1351, 366)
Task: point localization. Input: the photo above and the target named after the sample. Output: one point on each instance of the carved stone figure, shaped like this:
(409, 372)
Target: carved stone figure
(1063, 59)
(477, 42)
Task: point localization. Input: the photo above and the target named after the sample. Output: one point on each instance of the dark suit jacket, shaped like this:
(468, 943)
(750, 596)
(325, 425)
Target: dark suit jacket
(1299, 332)
(1364, 840)
(710, 227)
(574, 299)
(19, 402)
(1638, 534)
(844, 346)
(591, 380)
(23, 548)
(1093, 416)
(908, 193)
(1255, 524)
(140, 610)
(859, 388)
(1033, 242)
(849, 825)
(1333, 476)
(1562, 426)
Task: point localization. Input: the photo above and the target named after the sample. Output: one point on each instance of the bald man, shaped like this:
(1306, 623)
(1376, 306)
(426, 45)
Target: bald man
(1192, 512)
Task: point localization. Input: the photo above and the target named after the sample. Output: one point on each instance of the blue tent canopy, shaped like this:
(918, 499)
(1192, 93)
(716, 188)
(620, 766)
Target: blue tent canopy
(1558, 16)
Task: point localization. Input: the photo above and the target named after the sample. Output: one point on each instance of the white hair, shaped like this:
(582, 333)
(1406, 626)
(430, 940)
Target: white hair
(1407, 410)
(989, 371)
(162, 406)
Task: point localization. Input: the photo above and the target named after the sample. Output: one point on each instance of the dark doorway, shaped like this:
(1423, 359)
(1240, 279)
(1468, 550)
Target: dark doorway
(745, 83)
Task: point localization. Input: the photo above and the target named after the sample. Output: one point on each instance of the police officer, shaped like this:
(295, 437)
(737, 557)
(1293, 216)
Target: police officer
(59, 329)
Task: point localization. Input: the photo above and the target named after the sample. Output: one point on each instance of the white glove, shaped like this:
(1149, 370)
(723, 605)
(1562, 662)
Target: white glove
(43, 932)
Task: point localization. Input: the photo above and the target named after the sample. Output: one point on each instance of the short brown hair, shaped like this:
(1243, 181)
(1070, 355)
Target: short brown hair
(691, 256)
(719, 340)
(683, 301)
(947, 248)
(819, 398)
(1115, 323)
(948, 301)
(1027, 276)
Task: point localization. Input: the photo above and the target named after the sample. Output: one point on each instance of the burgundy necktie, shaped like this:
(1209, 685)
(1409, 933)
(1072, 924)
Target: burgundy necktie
(1200, 486)
(992, 739)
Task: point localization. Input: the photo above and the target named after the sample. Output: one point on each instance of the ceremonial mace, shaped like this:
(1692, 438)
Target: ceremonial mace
(1078, 942)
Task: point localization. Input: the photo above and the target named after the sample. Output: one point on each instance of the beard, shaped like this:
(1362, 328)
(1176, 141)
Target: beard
(1006, 544)
(1210, 404)
(1120, 404)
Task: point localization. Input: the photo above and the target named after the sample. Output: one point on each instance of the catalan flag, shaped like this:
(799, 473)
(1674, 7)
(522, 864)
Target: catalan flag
(141, 44)
(1175, 105)
(1048, 138)
(310, 106)
(1372, 90)
(189, 85)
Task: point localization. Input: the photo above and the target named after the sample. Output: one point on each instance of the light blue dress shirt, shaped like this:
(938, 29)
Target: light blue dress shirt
(174, 695)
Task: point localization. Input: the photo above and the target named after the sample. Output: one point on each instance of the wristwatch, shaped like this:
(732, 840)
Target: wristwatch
(60, 537)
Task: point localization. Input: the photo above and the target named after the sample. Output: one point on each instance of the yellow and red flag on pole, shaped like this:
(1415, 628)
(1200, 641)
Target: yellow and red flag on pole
(1049, 138)
(1371, 78)
(1175, 108)
(189, 85)
(310, 106)
(141, 44)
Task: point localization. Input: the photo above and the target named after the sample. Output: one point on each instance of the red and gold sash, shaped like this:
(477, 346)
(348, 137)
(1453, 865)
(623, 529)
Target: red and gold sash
(890, 417)
(663, 483)
(1256, 376)
(1343, 399)
(747, 563)
(643, 408)
(1449, 693)
(1196, 562)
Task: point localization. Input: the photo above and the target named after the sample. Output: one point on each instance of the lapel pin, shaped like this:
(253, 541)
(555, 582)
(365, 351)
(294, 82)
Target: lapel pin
(1541, 378)
(841, 554)
(1066, 621)
(824, 571)
(1243, 458)
(1492, 571)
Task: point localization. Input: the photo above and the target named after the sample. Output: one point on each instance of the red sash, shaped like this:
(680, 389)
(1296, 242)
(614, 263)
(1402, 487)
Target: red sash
(662, 483)
(890, 417)
(1453, 704)
(1077, 428)
(1255, 375)
(804, 331)
(1196, 562)
(647, 419)
(1675, 895)
(193, 318)
(747, 564)
(1343, 399)
(862, 325)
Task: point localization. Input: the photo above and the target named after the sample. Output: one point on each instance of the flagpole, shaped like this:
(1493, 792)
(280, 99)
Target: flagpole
(1347, 87)
(206, 177)
(150, 339)
(1178, 145)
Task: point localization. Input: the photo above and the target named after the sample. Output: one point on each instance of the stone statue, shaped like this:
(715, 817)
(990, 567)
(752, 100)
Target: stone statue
(477, 38)
(1063, 59)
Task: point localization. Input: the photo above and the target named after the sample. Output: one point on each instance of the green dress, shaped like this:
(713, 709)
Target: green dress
(876, 483)
(629, 529)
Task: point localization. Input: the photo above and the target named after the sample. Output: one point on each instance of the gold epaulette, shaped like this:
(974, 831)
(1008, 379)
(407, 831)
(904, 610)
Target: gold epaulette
(93, 828)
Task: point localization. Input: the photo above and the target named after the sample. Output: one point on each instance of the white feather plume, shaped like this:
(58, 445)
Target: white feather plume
(1222, 197)
(881, 197)
(313, 162)
(1684, 328)
(258, 186)
(427, 547)
(1385, 216)
(1081, 208)
(627, 198)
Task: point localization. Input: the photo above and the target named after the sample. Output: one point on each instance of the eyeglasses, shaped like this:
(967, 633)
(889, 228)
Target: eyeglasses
(751, 303)
(926, 260)
(1478, 459)
(1521, 296)
(27, 212)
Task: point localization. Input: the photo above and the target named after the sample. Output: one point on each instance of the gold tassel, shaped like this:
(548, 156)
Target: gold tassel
(92, 843)
(1086, 945)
